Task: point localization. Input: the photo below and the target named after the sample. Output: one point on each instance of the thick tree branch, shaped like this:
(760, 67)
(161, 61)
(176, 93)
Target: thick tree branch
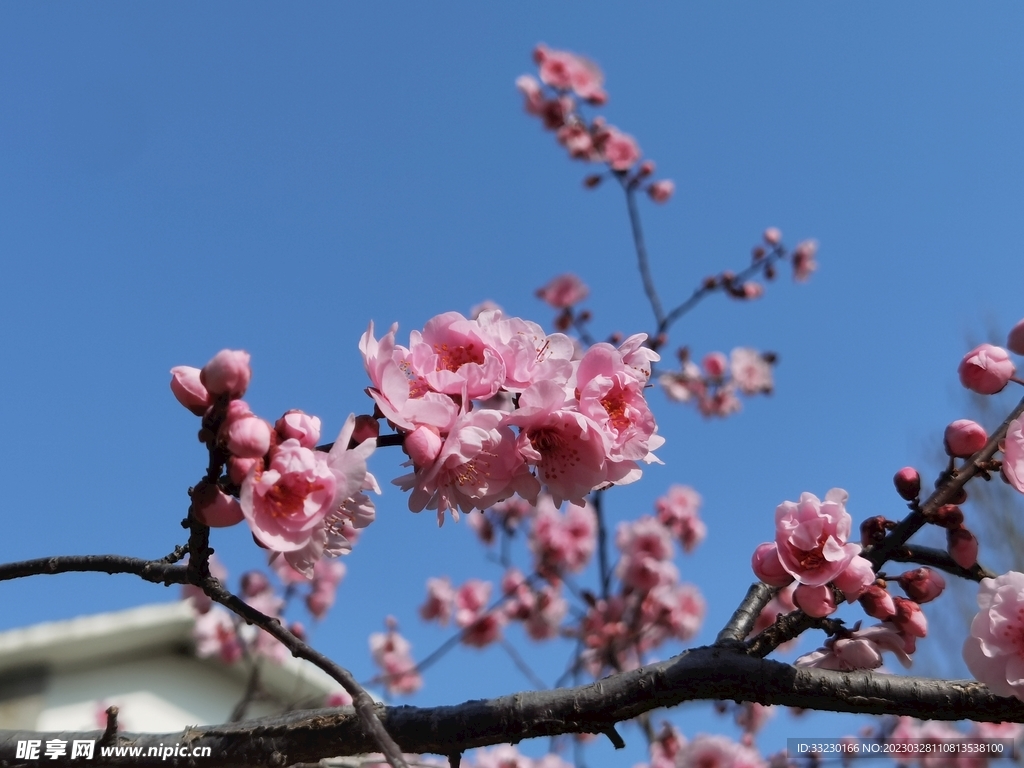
(706, 673)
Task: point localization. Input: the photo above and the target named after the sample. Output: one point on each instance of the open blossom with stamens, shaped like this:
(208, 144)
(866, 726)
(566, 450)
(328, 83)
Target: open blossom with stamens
(563, 291)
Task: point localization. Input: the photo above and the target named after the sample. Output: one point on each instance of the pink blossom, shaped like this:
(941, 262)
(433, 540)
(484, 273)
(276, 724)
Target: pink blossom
(647, 551)
(922, 585)
(215, 635)
(772, 236)
(340, 698)
(861, 649)
(679, 510)
(1013, 454)
(286, 501)
(562, 542)
(750, 371)
(672, 610)
(403, 395)
(717, 752)
(714, 364)
(812, 536)
(684, 384)
(995, 650)
(637, 356)
(327, 575)
(563, 291)
(478, 465)
(620, 150)
(661, 191)
(804, 263)
(480, 627)
(501, 756)
(909, 619)
(986, 369)
(452, 355)
(189, 390)
(722, 403)
(962, 546)
(548, 611)
(212, 507)
(301, 426)
(227, 373)
(254, 582)
(511, 512)
(238, 467)
(529, 354)
(563, 70)
(1015, 339)
(534, 98)
(393, 654)
(577, 140)
(611, 397)
(964, 438)
(768, 567)
(440, 601)
(567, 448)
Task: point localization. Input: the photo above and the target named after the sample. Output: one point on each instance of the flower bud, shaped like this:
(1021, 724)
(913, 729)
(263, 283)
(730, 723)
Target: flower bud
(422, 445)
(714, 364)
(214, 508)
(922, 585)
(855, 578)
(254, 583)
(248, 438)
(189, 390)
(964, 438)
(962, 547)
(238, 468)
(768, 567)
(301, 426)
(986, 369)
(877, 603)
(948, 516)
(772, 236)
(872, 530)
(815, 601)
(909, 618)
(366, 428)
(228, 373)
(661, 191)
(908, 483)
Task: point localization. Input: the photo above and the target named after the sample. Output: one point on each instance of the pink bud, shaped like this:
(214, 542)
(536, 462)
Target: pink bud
(948, 516)
(366, 428)
(248, 438)
(772, 236)
(661, 191)
(212, 507)
(962, 547)
(909, 618)
(908, 483)
(877, 603)
(752, 290)
(189, 390)
(872, 530)
(301, 426)
(423, 445)
(646, 168)
(856, 578)
(767, 566)
(715, 364)
(986, 369)
(922, 585)
(964, 438)
(228, 373)
(1015, 339)
(320, 600)
(815, 601)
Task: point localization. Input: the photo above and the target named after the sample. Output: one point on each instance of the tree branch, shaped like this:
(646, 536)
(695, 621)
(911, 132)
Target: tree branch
(706, 673)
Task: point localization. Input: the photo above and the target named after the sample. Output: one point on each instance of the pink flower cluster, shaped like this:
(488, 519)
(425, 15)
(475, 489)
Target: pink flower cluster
(507, 756)
(651, 607)
(679, 511)
(925, 738)
(812, 547)
(297, 501)
(493, 406)
(569, 77)
(393, 654)
(995, 650)
(714, 385)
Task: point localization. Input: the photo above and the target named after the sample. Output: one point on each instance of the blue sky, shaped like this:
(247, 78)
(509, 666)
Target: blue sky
(180, 179)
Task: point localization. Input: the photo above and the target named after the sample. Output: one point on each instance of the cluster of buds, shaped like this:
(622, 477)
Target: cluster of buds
(393, 654)
(567, 81)
(492, 406)
(714, 386)
(300, 503)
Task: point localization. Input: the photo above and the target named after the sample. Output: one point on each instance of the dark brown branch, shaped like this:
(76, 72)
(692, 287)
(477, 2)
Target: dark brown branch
(700, 674)
(940, 559)
(743, 618)
(641, 257)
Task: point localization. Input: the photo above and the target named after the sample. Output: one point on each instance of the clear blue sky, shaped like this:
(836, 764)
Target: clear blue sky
(176, 179)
